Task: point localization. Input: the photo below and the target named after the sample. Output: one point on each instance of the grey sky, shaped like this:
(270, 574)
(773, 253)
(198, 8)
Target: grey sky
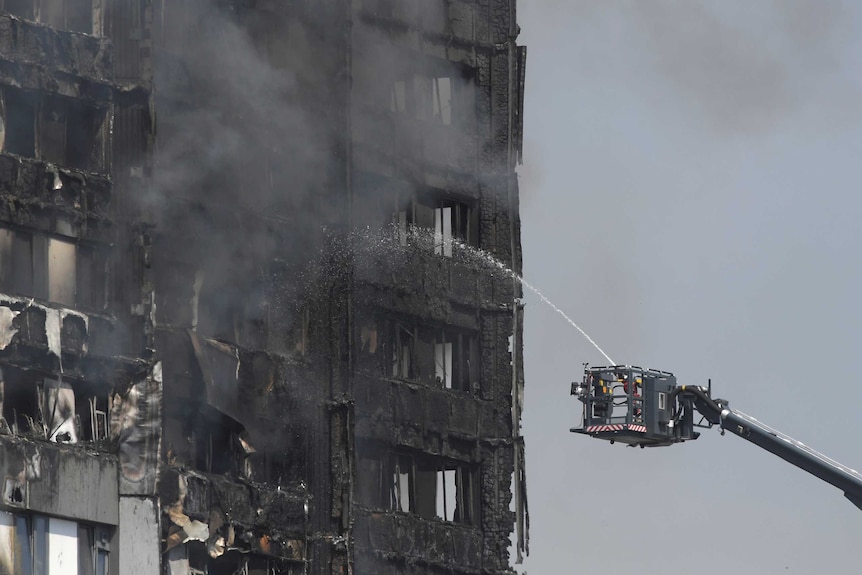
(690, 197)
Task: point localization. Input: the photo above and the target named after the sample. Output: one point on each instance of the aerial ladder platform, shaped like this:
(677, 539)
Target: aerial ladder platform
(646, 408)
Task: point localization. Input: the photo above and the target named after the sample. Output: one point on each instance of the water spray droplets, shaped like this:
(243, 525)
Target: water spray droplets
(396, 242)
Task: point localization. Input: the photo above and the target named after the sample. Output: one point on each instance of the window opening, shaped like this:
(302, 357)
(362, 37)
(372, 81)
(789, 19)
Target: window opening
(432, 487)
(400, 483)
(442, 100)
(448, 220)
(79, 16)
(52, 131)
(70, 15)
(57, 402)
(445, 357)
(51, 128)
(443, 231)
(50, 268)
(446, 494)
(62, 271)
(38, 545)
(402, 352)
(443, 363)
(20, 122)
(443, 94)
(19, 8)
(20, 401)
(435, 15)
(455, 359)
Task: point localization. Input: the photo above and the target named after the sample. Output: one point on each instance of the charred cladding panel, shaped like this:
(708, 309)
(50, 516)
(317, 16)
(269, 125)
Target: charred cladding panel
(290, 206)
(658, 403)
(59, 481)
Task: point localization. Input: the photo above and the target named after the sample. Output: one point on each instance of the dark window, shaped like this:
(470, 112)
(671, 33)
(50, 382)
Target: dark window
(23, 263)
(229, 312)
(444, 93)
(79, 16)
(435, 15)
(440, 222)
(19, 112)
(51, 268)
(403, 345)
(63, 131)
(455, 359)
(52, 131)
(94, 545)
(200, 562)
(201, 437)
(430, 486)
(20, 8)
(20, 401)
(71, 15)
(60, 411)
(30, 544)
(444, 356)
(69, 133)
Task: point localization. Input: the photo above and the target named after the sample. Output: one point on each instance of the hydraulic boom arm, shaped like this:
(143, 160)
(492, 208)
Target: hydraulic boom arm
(645, 408)
(717, 411)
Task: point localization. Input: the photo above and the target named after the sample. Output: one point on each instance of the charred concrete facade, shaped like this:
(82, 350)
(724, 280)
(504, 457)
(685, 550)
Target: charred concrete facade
(236, 335)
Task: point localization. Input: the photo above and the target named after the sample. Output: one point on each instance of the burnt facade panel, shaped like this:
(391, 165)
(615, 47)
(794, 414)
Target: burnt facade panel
(254, 314)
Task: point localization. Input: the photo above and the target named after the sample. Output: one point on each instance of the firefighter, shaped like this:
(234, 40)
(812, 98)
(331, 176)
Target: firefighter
(635, 391)
(601, 397)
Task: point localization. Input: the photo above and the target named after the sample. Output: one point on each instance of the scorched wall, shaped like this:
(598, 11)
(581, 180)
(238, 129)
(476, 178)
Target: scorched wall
(241, 325)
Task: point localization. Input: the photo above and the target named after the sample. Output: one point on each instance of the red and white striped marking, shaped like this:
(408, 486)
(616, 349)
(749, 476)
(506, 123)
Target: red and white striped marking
(594, 428)
(618, 427)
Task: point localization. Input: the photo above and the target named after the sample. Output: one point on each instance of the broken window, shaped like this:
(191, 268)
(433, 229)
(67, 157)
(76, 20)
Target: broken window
(403, 352)
(431, 486)
(40, 545)
(300, 332)
(19, 120)
(17, 262)
(435, 15)
(57, 408)
(47, 408)
(452, 222)
(51, 268)
(62, 271)
(202, 437)
(444, 357)
(92, 406)
(444, 94)
(455, 359)
(20, 401)
(441, 100)
(52, 128)
(193, 558)
(71, 15)
(401, 486)
(69, 133)
(19, 8)
(225, 311)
